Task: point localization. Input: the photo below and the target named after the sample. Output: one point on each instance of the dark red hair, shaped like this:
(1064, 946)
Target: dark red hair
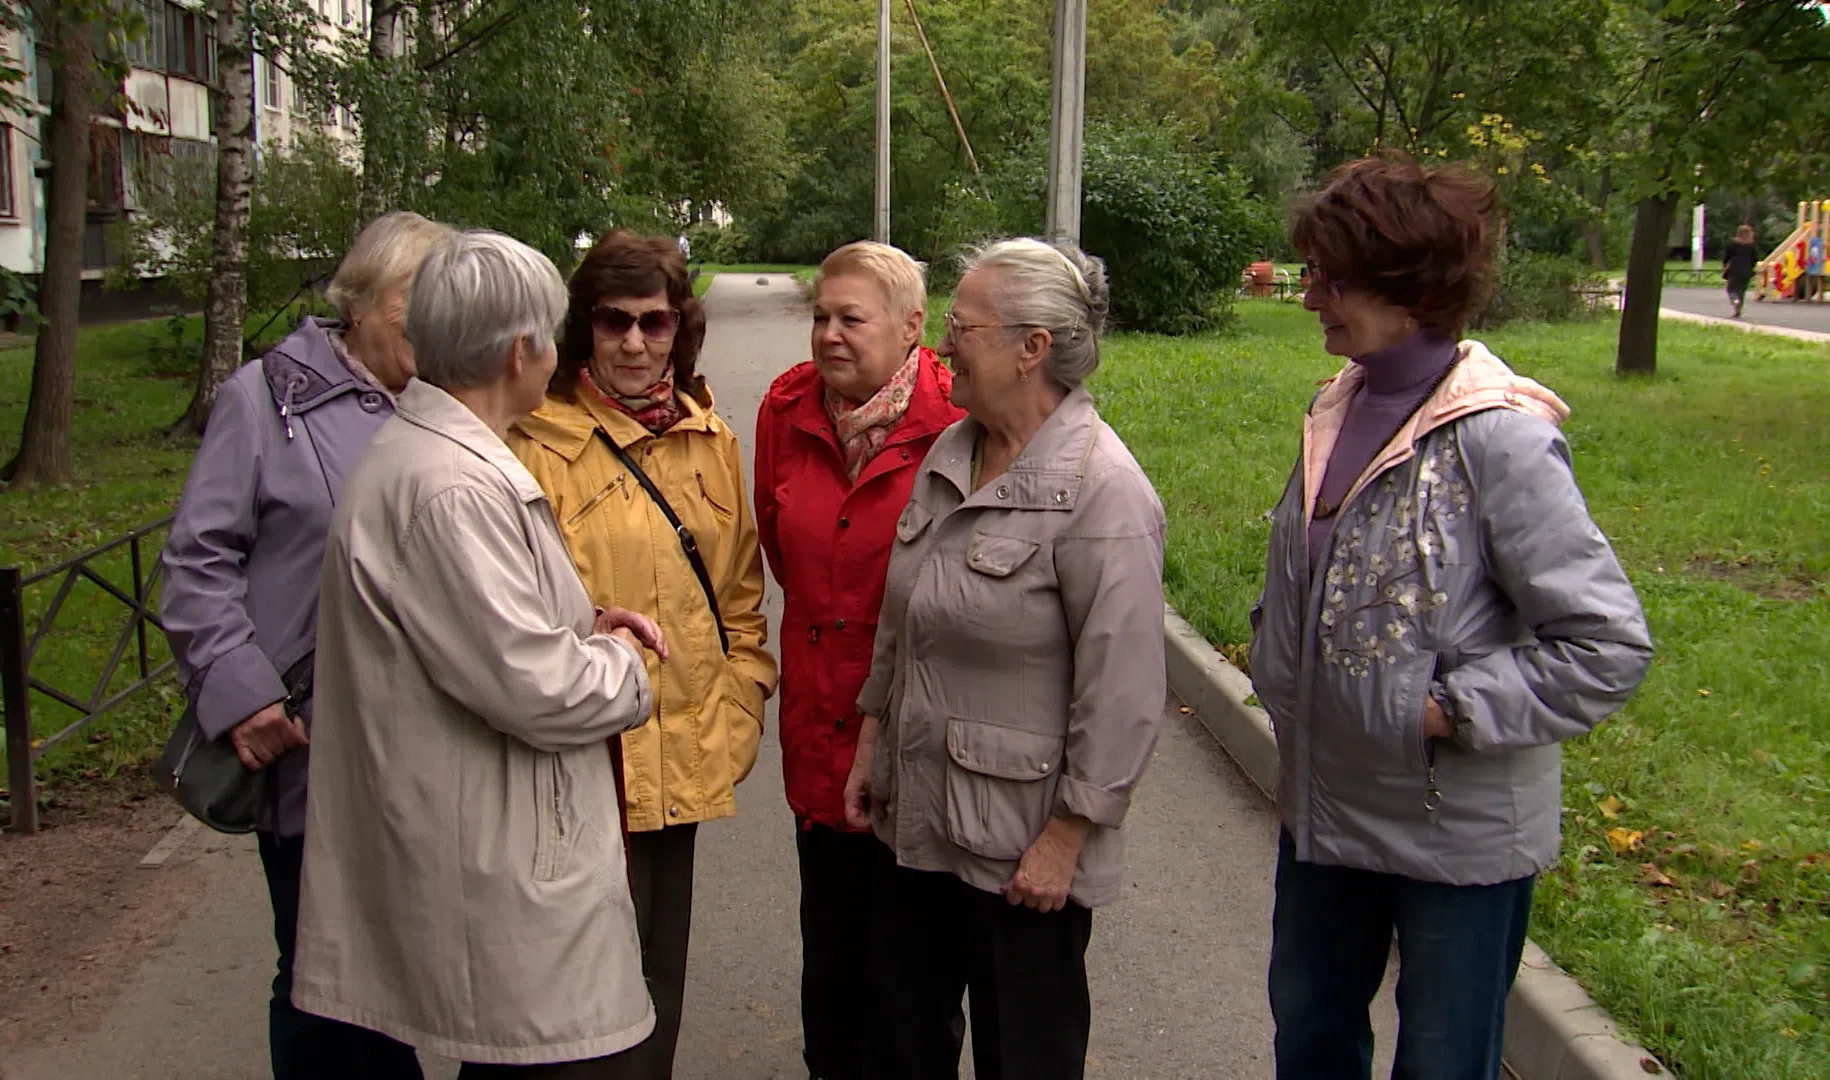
(628, 265)
(1417, 236)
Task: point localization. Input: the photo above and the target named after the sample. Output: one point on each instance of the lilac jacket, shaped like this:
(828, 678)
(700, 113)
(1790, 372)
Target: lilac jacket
(240, 601)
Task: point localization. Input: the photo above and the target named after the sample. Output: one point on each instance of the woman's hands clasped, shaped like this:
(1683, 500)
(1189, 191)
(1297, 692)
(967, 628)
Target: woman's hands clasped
(632, 626)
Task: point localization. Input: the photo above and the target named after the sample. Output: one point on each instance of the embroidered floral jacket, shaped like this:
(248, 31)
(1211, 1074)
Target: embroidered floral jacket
(1464, 563)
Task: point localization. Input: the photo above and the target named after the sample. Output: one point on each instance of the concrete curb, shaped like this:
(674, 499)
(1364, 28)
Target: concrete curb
(1554, 1030)
(1746, 327)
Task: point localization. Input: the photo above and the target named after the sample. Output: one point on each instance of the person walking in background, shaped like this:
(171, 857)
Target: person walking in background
(464, 886)
(1738, 266)
(648, 484)
(1016, 686)
(1439, 614)
(838, 443)
(240, 598)
(1814, 265)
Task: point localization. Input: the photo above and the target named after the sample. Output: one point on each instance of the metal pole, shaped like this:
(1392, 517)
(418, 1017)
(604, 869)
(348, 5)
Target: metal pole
(1066, 120)
(1696, 238)
(139, 599)
(17, 697)
(882, 230)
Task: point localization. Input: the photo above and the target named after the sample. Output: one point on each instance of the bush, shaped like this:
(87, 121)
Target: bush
(1535, 287)
(713, 243)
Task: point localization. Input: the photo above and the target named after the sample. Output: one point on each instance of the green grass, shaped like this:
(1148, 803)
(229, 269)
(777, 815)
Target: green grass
(131, 384)
(1714, 482)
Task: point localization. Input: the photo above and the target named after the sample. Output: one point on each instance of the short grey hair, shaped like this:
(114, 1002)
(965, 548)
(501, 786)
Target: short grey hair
(1053, 287)
(477, 294)
(386, 255)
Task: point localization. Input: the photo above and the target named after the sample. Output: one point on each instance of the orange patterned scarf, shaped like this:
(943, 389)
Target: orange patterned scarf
(656, 408)
(863, 429)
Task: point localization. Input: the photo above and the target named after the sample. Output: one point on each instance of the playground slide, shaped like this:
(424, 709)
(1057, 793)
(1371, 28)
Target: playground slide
(1775, 274)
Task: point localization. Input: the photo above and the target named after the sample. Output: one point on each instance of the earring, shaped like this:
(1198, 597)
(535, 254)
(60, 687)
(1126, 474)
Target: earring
(1022, 375)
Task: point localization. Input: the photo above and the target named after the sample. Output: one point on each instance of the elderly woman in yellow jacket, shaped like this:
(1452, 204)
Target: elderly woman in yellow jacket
(647, 483)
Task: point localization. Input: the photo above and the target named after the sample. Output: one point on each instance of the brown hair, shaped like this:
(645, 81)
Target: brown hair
(628, 264)
(1417, 236)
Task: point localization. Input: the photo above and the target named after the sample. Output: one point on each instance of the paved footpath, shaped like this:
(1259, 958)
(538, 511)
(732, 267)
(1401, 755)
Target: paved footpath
(1809, 316)
(1177, 967)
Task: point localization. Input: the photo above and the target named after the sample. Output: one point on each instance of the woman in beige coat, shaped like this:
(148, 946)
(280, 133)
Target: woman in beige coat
(465, 889)
(1018, 676)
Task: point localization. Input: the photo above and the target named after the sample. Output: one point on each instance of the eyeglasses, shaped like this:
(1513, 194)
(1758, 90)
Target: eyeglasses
(1318, 277)
(616, 322)
(955, 328)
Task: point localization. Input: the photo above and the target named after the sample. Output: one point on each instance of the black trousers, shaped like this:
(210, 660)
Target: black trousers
(839, 871)
(303, 1046)
(934, 938)
(661, 883)
(614, 1067)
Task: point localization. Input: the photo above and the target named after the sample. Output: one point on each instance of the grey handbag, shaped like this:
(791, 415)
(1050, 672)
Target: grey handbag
(207, 777)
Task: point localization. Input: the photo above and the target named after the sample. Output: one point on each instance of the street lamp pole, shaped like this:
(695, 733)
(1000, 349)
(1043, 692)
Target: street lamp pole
(1066, 120)
(882, 232)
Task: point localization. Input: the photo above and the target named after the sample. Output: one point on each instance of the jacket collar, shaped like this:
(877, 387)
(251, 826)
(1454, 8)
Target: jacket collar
(1047, 475)
(426, 406)
(1478, 382)
(303, 370)
(566, 425)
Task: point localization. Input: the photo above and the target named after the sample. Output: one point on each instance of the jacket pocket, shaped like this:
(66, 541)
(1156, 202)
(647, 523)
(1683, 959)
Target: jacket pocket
(988, 594)
(1001, 785)
(549, 817)
(720, 505)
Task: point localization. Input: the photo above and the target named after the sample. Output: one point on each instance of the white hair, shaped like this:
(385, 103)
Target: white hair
(386, 255)
(477, 294)
(1053, 287)
(902, 279)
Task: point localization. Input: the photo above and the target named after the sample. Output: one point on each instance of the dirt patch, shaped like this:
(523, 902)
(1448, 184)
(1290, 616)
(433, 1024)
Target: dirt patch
(1757, 576)
(77, 911)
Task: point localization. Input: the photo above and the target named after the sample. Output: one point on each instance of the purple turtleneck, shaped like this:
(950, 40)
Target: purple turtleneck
(1398, 379)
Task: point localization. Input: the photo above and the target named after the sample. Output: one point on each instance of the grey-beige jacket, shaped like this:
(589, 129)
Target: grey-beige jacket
(1018, 671)
(465, 888)
(1464, 560)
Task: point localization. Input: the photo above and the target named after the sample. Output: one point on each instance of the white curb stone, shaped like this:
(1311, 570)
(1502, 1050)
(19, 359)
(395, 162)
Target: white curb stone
(1554, 1030)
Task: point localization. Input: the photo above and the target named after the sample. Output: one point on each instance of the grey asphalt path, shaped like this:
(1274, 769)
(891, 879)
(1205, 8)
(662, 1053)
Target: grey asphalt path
(1177, 967)
(1808, 315)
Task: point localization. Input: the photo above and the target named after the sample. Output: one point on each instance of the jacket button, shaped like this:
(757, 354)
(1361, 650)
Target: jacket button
(905, 455)
(844, 523)
(839, 724)
(838, 624)
(371, 402)
(673, 811)
(1003, 493)
(1060, 498)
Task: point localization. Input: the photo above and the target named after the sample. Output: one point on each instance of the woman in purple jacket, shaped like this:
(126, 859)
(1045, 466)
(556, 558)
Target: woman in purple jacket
(241, 573)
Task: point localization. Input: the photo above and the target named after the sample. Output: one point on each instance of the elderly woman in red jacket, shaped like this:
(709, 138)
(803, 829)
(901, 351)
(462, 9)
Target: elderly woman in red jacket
(838, 441)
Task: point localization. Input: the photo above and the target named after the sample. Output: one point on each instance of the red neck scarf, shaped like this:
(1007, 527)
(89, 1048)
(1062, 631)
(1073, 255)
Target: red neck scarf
(656, 408)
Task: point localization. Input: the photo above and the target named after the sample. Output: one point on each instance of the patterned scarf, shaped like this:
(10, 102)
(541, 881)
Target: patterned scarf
(656, 408)
(863, 429)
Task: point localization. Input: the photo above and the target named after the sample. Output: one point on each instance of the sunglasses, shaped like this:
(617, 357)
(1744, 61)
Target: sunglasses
(616, 322)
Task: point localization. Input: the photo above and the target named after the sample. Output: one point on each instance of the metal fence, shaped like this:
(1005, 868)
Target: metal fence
(20, 644)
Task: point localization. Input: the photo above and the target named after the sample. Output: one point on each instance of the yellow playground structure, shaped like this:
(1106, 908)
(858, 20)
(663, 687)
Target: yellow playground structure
(1780, 275)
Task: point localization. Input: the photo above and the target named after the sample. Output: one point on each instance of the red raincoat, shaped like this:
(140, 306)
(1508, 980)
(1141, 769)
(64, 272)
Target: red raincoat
(828, 542)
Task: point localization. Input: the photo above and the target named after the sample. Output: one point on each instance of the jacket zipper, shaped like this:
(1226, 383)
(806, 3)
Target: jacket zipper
(592, 504)
(559, 819)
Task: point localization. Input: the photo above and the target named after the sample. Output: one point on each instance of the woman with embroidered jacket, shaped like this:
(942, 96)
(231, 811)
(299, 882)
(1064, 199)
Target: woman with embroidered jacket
(1439, 614)
(838, 443)
(627, 402)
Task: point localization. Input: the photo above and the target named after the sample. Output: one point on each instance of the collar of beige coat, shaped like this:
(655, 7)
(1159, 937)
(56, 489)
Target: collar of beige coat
(1479, 381)
(565, 425)
(426, 406)
(1047, 475)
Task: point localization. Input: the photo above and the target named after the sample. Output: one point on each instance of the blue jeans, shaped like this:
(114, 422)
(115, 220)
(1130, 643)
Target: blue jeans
(1331, 934)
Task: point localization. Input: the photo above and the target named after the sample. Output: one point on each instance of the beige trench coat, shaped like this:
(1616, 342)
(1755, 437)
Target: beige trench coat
(464, 885)
(1018, 672)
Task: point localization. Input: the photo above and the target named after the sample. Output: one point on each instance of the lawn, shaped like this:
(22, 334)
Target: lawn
(1693, 896)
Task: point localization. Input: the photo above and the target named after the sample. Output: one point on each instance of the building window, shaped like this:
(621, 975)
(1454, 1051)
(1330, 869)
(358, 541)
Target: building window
(190, 44)
(104, 182)
(7, 207)
(148, 51)
(271, 86)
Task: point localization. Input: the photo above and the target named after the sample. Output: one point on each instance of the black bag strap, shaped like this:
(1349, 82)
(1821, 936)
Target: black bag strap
(687, 543)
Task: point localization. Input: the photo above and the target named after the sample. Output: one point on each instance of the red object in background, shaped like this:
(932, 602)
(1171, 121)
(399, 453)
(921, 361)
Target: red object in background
(1263, 275)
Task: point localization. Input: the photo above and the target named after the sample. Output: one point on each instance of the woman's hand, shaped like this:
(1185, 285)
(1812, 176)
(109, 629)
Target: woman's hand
(858, 781)
(1436, 722)
(1046, 872)
(265, 737)
(643, 630)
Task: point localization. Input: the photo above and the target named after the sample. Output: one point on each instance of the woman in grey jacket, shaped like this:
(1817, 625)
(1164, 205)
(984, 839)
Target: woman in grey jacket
(1439, 614)
(240, 602)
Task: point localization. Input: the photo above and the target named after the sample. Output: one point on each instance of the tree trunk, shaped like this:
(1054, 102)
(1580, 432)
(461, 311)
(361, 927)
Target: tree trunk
(1652, 218)
(1595, 229)
(44, 446)
(384, 15)
(226, 303)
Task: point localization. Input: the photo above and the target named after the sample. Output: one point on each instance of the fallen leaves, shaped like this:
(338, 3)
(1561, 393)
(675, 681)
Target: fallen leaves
(1624, 840)
(1655, 877)
(1611, 807)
